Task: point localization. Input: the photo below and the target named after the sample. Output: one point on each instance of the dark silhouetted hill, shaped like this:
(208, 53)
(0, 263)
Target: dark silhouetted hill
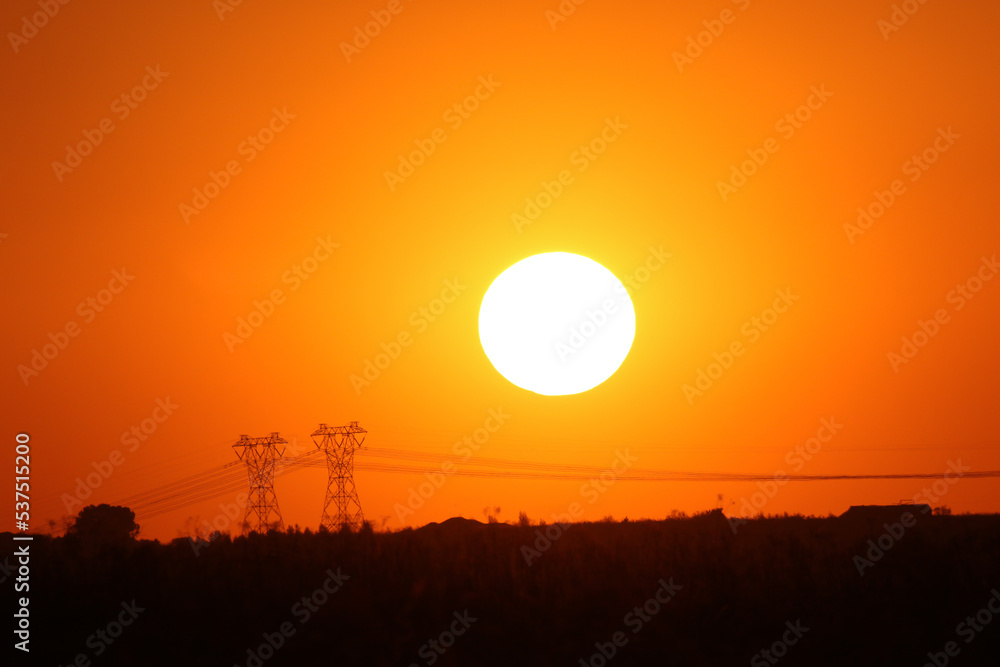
(868, 594)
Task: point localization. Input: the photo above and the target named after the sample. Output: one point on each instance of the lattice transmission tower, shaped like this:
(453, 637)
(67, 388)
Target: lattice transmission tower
(260, 455)
(340, 443)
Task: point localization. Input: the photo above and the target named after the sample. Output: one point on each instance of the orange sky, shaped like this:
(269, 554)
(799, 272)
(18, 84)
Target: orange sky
(300, 132)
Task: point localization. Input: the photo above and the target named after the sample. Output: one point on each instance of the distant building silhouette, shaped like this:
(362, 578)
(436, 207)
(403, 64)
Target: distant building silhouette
(884, 513)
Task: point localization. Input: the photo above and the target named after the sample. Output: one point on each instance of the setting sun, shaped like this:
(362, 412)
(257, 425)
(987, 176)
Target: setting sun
(557, 323)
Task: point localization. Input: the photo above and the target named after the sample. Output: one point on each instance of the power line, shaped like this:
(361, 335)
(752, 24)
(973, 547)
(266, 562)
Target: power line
(220, 480)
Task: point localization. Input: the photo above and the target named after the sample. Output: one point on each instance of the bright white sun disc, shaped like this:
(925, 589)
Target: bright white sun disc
(556, 323)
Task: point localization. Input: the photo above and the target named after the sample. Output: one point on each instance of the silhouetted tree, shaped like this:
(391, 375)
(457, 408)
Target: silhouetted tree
(105, 525)
(492, 516)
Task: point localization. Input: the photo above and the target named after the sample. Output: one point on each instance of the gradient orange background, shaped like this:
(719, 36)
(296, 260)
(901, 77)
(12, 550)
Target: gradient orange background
(656, 185)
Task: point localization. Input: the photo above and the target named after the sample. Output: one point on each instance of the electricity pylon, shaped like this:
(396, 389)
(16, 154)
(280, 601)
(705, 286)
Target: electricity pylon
(339, 443)
(260, 455)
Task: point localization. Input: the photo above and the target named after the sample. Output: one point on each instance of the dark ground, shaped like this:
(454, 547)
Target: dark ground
(735, 594)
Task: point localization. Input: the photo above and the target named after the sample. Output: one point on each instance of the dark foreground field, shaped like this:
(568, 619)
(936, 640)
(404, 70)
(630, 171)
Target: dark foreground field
(675, 592)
